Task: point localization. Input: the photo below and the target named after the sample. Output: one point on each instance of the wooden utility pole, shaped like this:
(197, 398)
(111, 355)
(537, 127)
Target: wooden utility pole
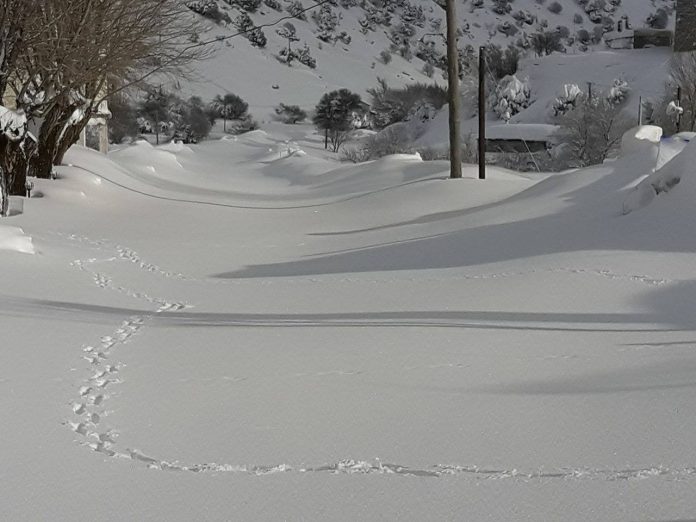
(679, 114)
(640, 110)
(482, 113)
(453, 91)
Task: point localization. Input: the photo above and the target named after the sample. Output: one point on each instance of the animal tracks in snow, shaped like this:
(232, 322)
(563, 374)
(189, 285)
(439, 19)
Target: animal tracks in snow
(89, 412)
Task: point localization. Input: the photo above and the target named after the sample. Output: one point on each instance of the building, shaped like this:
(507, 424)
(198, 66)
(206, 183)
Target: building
(639, 38)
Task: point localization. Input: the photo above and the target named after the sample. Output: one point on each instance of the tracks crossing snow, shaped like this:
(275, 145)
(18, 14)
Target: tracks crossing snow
(90, 413)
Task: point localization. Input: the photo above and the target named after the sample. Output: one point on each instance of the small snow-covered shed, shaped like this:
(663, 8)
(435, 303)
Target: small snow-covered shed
(520, 138)
(639, 38)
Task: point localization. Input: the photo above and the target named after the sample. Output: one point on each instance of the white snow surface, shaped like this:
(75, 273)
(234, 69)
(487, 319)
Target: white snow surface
(14, 239)
(232, 331)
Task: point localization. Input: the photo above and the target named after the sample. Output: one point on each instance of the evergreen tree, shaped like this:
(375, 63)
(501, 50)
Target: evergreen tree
(334, 115)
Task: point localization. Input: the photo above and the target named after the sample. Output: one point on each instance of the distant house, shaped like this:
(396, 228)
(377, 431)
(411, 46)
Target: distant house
(639, 38)
(520, 138)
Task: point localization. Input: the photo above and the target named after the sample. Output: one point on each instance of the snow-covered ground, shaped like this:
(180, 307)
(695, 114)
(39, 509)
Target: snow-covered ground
(246, 330)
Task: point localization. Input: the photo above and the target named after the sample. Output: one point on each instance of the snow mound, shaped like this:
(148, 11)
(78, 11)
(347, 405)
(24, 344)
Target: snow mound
(678, 171)
(397, 158)
(641, 139)
(175, 146)
(14, 239)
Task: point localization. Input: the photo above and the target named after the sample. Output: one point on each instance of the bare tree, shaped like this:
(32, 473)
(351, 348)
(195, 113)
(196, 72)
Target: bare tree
(593, 130)
(84, 49)
(15, 145)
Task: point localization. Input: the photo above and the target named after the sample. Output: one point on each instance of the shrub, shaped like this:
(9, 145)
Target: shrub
(511, 96)
(296, 10)
(209, 9)
(502, 63)
(290, 113)
(391, 105)
(273, 4)
(254, 34)
(555, 7)
(546, 42)
(593, 130)
(396, 139)
(385, 57)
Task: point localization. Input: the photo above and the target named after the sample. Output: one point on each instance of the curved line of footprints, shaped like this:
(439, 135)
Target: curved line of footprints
(89, 409)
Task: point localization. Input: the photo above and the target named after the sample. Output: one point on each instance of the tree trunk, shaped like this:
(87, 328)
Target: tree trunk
(4, 196)
(49, 138)
(14, 163)
(70, 137)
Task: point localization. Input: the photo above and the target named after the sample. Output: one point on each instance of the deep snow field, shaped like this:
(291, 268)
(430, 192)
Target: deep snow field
(246, 329)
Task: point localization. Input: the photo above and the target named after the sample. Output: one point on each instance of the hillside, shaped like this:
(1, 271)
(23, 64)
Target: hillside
(347, 39)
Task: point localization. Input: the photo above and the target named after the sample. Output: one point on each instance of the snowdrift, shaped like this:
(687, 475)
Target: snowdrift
(675, 171)
(14, 239)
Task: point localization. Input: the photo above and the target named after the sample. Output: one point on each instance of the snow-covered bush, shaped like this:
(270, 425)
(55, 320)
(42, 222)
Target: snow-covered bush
(385, 56)
(395, 139)
(273, 4)
(413, 15)
(290, 113)
(568, 100)
(546, 42)
(390, 105)
(501, 63)
(618, 92)
(301, 55)
(254, 34)
(511, 96)
(209, 9)
(429, 53)
(296, 10)
(326, 20)
(246, 5)
(501, 7)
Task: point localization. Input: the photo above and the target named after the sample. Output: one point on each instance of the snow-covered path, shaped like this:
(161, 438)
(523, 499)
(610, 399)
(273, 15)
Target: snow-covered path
(557, 386)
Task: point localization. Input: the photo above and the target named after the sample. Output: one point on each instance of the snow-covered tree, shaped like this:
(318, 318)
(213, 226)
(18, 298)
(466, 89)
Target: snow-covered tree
(290, 113)
(288, 31)
(511, 96)
(296, 10)
(568, 100)
(228, 107)
(254, 34)
(618, 92)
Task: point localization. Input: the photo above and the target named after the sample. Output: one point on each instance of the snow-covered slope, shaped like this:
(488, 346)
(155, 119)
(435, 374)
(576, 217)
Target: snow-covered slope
(240, 330)
(259, 77)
